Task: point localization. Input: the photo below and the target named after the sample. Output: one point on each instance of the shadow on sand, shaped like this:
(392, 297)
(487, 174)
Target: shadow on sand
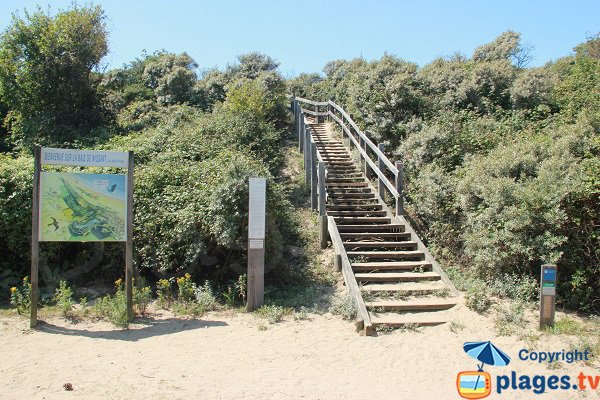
(150, 328)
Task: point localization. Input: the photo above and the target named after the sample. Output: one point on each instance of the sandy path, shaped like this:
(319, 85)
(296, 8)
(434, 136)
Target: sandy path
(225, 356)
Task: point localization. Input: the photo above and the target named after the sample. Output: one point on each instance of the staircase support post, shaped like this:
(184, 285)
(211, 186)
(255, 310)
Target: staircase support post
(307, 155)
(313, 176)
(381, 166)
(322, 202)
(368, 171)
(399, 189)
(301, 129)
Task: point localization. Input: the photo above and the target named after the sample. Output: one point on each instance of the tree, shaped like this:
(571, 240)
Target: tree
(250, 65)
(172, 77)
(507, 46)
(46, 77)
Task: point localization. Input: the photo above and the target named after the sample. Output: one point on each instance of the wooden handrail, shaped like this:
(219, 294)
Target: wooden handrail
(364, 137)
(362, 144)
(349, 278)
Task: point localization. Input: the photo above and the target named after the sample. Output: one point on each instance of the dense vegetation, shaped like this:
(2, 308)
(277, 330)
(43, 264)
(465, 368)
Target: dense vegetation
(197, 140)
(502, 161)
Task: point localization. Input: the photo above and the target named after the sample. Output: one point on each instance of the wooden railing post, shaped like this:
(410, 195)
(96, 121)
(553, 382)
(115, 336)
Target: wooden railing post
(368, 171)
(399, 189)
(313, 176)
(307, 155)
(301, 132)
(380, 165)
(322, 205)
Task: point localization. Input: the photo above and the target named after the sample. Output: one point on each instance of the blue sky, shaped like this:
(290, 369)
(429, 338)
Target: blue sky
(304, 35)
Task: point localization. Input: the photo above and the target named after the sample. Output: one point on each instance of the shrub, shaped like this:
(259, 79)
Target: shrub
(63, 297)
(344, 306)
(205, 297)
(477, 297)
(141, 296)
(20, 297)
(113, 308)
(272, 313)
(163, 291)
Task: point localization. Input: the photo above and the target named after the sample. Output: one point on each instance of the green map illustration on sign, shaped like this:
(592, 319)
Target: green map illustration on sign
(82, 207)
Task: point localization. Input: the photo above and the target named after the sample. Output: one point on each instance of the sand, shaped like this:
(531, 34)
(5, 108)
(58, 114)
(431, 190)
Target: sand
(225, 355)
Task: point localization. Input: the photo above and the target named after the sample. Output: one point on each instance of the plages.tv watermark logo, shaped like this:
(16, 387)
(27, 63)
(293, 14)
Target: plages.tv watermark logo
(479, 384)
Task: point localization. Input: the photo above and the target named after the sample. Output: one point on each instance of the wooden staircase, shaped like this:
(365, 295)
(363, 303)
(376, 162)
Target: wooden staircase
(398, 284)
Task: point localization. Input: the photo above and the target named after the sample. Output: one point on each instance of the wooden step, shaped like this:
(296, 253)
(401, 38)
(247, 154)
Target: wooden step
(394, 320)
(387, 254)
(372, 235)
(405, 288)
(362, 220)
(344, 180)
(352, 196)
(336, 162)
(341, 191)
(391, 266)
(357, 207)
(422, 304)
(380, 245)
(351, 202)
(396, 276)
(346, 184)
(367, 213)
(333, 175)
(359, 228)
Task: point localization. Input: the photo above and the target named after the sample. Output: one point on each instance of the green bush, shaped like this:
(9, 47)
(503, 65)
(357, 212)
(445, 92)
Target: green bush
(16, 176)
(63, 297)
(344, 306)
(477, 296)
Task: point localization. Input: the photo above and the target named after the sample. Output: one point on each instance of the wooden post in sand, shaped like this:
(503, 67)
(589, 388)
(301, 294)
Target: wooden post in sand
(256, 243)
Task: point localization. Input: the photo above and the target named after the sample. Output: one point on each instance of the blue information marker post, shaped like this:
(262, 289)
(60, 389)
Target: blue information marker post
(547, 295)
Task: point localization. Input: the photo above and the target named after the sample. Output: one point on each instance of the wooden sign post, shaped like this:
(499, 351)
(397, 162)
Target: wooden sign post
(547, 295)
(256, 243)
(100, 208)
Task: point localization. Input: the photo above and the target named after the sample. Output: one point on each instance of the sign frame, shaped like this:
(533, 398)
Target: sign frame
(82, 158)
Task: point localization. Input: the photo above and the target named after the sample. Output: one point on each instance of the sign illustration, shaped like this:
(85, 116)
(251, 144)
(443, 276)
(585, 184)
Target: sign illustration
(82, 207)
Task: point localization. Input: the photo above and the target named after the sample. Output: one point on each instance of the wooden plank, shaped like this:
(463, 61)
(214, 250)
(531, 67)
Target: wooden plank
(312, 102)
(392, 265)
(406, 288)
(35, 236)
(349, 279)
(412, 305)
(396, 276)
(386, 254)
(415, 318)
(129, 242)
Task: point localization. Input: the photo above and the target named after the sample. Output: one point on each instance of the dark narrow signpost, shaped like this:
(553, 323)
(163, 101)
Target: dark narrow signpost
(256, 243)
(80, 207)
(547, 295)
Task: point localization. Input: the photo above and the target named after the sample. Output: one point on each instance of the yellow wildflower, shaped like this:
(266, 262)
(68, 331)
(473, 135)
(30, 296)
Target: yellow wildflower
(13, 289)
(118, 282)
(188, 276)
